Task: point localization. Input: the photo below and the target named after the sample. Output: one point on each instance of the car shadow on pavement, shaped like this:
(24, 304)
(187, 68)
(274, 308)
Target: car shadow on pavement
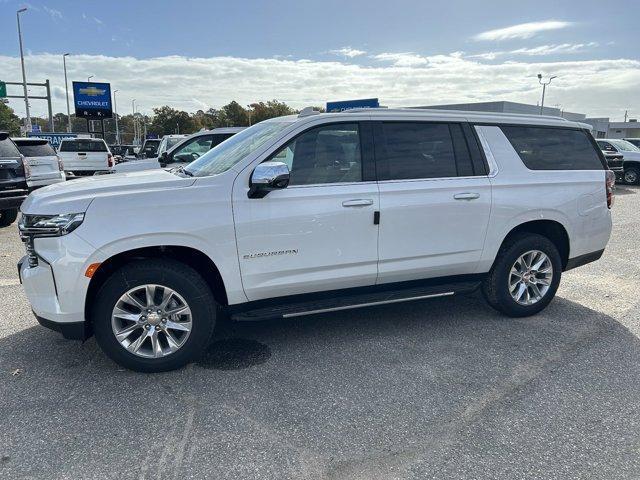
(626, 189)
(438, 387)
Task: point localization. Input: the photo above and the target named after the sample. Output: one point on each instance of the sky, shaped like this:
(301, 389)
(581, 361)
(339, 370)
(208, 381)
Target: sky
(200, 54)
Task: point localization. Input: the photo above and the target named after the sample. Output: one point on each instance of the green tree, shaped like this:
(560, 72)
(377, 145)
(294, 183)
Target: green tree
(273, 108)
(168, 120)
(233, 115)
(9, 121)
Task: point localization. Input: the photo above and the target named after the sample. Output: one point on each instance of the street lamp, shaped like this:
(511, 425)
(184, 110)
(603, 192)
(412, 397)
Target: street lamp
(135, 128)
(544, 88)
(115, 111)
(24, 75)
(89, 78)
(66, 88)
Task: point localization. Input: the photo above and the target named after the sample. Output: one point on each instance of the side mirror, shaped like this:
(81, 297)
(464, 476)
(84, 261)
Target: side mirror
(163, 159)
(266, 177)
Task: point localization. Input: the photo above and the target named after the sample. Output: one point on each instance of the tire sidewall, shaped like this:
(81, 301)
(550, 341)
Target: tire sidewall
(503, 268)
(637, 176)
(190, 287)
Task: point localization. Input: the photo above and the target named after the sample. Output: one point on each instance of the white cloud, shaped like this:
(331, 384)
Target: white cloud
(563, 48)
(348, 52)
(595, 87)
(522, 30)
(53, 13)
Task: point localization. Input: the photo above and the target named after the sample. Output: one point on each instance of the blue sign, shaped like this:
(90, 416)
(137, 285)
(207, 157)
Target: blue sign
(35, 128)
(350, 104)
(54, 138)
(92, 100)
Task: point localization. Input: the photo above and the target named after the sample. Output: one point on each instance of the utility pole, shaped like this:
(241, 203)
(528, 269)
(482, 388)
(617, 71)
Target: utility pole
(135, 129)
(626, 115)
(115, 111)
(544, 88)
(48, 87)
(24, 75)
(66, 88)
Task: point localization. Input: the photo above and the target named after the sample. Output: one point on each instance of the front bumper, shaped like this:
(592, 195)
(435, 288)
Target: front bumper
(56, 285)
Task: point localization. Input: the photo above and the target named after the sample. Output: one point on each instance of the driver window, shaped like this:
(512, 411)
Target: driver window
(328, 154)
(193, 150)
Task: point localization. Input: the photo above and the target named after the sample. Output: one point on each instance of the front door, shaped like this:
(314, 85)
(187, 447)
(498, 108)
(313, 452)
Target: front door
(435, 201)
(318, 233)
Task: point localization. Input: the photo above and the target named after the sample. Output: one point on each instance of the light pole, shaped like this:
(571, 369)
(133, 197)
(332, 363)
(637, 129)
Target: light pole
(135, 129)
(66, 88)
(89, 78)
(544, 88)
(115, 111)
(24, 75)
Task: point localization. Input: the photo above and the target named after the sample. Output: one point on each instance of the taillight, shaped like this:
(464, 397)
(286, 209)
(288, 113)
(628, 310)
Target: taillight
(610, 182)
(27, 169)
(60, 164)
(110, 160)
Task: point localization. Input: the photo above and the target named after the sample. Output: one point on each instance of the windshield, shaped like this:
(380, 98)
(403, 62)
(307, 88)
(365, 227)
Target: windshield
(625, 146)
(173, 141)
(225, 155)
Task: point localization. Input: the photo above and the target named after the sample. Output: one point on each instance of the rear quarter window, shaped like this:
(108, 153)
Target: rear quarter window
(8, 148)
(83, 146)
(543, 148)
(37, 150)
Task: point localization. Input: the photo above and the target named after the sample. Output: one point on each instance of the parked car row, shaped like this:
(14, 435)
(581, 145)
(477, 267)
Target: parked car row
(625, 157)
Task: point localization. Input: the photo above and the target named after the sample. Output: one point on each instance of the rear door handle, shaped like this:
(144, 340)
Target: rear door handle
(359, 202)
(466, 196)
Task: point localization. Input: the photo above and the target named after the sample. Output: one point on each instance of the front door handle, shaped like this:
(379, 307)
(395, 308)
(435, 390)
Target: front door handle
(359, 202)
(466, 196)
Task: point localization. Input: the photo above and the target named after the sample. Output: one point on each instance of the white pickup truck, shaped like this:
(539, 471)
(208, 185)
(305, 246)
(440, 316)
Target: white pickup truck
(85, 156)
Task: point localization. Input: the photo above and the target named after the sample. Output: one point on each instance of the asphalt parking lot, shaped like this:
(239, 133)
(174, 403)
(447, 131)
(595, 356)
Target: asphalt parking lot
(439, 389)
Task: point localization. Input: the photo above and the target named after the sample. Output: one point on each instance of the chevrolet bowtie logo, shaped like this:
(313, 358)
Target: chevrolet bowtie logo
(92, 91)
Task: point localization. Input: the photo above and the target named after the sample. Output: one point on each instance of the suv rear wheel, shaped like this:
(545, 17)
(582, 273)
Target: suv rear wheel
(154, 315)
(525, 276)
(7, 217)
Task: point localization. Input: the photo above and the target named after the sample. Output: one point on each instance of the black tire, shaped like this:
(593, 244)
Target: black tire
(496, 286)
(169, 273)
(632, 175)
(7, 217)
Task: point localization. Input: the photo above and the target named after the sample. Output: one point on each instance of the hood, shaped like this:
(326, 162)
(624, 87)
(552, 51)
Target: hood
(74, 196)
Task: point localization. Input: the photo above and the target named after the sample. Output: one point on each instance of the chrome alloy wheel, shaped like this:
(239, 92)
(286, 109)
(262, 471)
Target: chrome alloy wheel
(151, 321)
(530, 277)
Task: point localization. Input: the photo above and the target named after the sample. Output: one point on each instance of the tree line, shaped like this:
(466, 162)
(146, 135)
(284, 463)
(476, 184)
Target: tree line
(164, 121)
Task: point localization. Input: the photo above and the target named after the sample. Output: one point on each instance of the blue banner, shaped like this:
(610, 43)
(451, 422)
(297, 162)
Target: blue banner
(92, 100)
(54, 138)
(350, 104)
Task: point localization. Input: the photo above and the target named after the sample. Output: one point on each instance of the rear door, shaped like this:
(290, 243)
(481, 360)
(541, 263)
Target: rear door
(41, 158)
(435, 200)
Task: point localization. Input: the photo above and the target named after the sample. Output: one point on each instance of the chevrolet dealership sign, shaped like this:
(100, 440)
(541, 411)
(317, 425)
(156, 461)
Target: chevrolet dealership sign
(92, 100)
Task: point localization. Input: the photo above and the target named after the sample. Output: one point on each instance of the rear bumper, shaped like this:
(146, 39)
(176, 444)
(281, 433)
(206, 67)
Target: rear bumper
(12, 202)
(44, 180)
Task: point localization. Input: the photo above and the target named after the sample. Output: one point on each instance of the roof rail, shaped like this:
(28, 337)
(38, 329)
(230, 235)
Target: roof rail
(469, 113)
(307, 111)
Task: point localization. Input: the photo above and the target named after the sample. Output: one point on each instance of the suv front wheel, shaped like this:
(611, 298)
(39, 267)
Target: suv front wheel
(525, 275)
(154, 315)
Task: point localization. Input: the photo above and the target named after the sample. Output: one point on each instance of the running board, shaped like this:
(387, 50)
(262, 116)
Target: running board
(346, 300)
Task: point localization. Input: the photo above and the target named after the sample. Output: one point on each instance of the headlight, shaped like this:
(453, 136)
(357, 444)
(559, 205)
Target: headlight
(49, 225)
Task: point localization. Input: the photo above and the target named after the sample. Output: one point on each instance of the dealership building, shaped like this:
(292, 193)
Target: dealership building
(602, 127)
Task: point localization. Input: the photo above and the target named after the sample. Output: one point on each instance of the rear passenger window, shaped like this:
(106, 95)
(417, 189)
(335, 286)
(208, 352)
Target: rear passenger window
(327, 154)
(553, 148)
(417, 150)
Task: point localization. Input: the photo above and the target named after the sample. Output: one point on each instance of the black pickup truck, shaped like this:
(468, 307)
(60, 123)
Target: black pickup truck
(13, 182)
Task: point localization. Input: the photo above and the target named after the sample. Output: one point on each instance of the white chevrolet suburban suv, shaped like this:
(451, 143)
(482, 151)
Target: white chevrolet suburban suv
(316, 213)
